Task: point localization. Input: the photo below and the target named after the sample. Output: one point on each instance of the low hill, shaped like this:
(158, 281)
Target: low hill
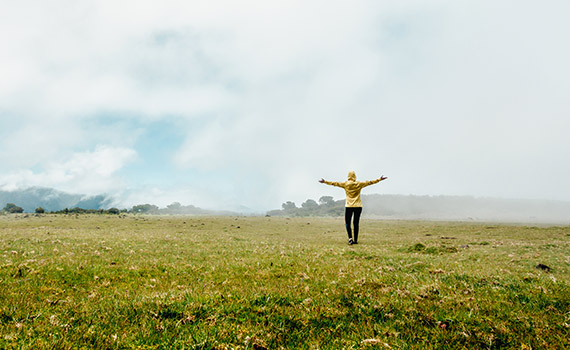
(52, 200)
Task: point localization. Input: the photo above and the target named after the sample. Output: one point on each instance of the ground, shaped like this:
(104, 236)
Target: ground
(149, 282)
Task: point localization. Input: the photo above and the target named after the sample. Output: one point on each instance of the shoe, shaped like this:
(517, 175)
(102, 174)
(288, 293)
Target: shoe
(355, 242)
(350, 242)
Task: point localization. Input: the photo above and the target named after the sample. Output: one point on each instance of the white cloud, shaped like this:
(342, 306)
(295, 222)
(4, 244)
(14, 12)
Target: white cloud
(85, 172)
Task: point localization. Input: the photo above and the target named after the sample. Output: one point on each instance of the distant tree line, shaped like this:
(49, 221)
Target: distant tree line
(12, 208)
(77, 210)
(326, 206)
(171, 209)
(148, 209)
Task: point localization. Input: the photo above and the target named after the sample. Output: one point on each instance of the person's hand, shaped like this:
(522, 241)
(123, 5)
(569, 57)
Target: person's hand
(383, 177)
(322, 180)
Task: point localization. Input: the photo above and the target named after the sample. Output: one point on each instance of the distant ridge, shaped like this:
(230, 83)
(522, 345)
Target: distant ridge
(51, 200)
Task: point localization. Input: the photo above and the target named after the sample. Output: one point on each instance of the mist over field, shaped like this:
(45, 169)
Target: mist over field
(467, 208)
(391, 207)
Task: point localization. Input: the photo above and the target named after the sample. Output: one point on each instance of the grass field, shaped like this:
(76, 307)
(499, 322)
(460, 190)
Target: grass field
(134, 282)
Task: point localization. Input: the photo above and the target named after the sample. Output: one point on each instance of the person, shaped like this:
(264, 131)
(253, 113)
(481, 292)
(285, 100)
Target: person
(353, 204)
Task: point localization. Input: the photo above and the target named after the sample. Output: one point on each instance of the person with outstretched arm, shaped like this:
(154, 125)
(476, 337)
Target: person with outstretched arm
(353, 204)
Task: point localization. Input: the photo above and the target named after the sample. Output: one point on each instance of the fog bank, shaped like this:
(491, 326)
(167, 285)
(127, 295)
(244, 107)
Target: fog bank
(466, 208)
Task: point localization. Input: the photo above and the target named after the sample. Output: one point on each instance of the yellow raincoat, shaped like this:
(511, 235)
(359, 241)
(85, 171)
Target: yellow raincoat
(352, 189)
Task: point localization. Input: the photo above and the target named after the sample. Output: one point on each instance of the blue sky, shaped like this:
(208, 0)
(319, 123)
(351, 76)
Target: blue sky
(225, 104)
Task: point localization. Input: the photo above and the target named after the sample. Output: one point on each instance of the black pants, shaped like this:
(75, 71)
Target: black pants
(348, 217)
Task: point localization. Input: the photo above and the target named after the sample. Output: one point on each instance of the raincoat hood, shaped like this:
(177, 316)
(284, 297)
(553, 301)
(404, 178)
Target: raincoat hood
(351, 176)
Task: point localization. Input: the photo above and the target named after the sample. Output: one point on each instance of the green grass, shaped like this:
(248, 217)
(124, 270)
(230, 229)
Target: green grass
(110, 282)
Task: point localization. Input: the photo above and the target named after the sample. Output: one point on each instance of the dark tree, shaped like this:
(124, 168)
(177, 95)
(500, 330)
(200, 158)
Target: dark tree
(326, 200)
(113, 211)
(288, 205)
(309, 204)
(174, 208)
(144, 208)
(13, 208)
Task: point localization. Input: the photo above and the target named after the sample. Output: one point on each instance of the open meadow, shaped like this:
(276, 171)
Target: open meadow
(169, 282)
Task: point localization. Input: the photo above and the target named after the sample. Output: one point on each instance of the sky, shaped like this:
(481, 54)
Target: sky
(245, 104)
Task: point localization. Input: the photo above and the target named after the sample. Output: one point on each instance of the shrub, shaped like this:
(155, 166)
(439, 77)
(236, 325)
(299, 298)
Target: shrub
(114, 211)
(13, 208)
